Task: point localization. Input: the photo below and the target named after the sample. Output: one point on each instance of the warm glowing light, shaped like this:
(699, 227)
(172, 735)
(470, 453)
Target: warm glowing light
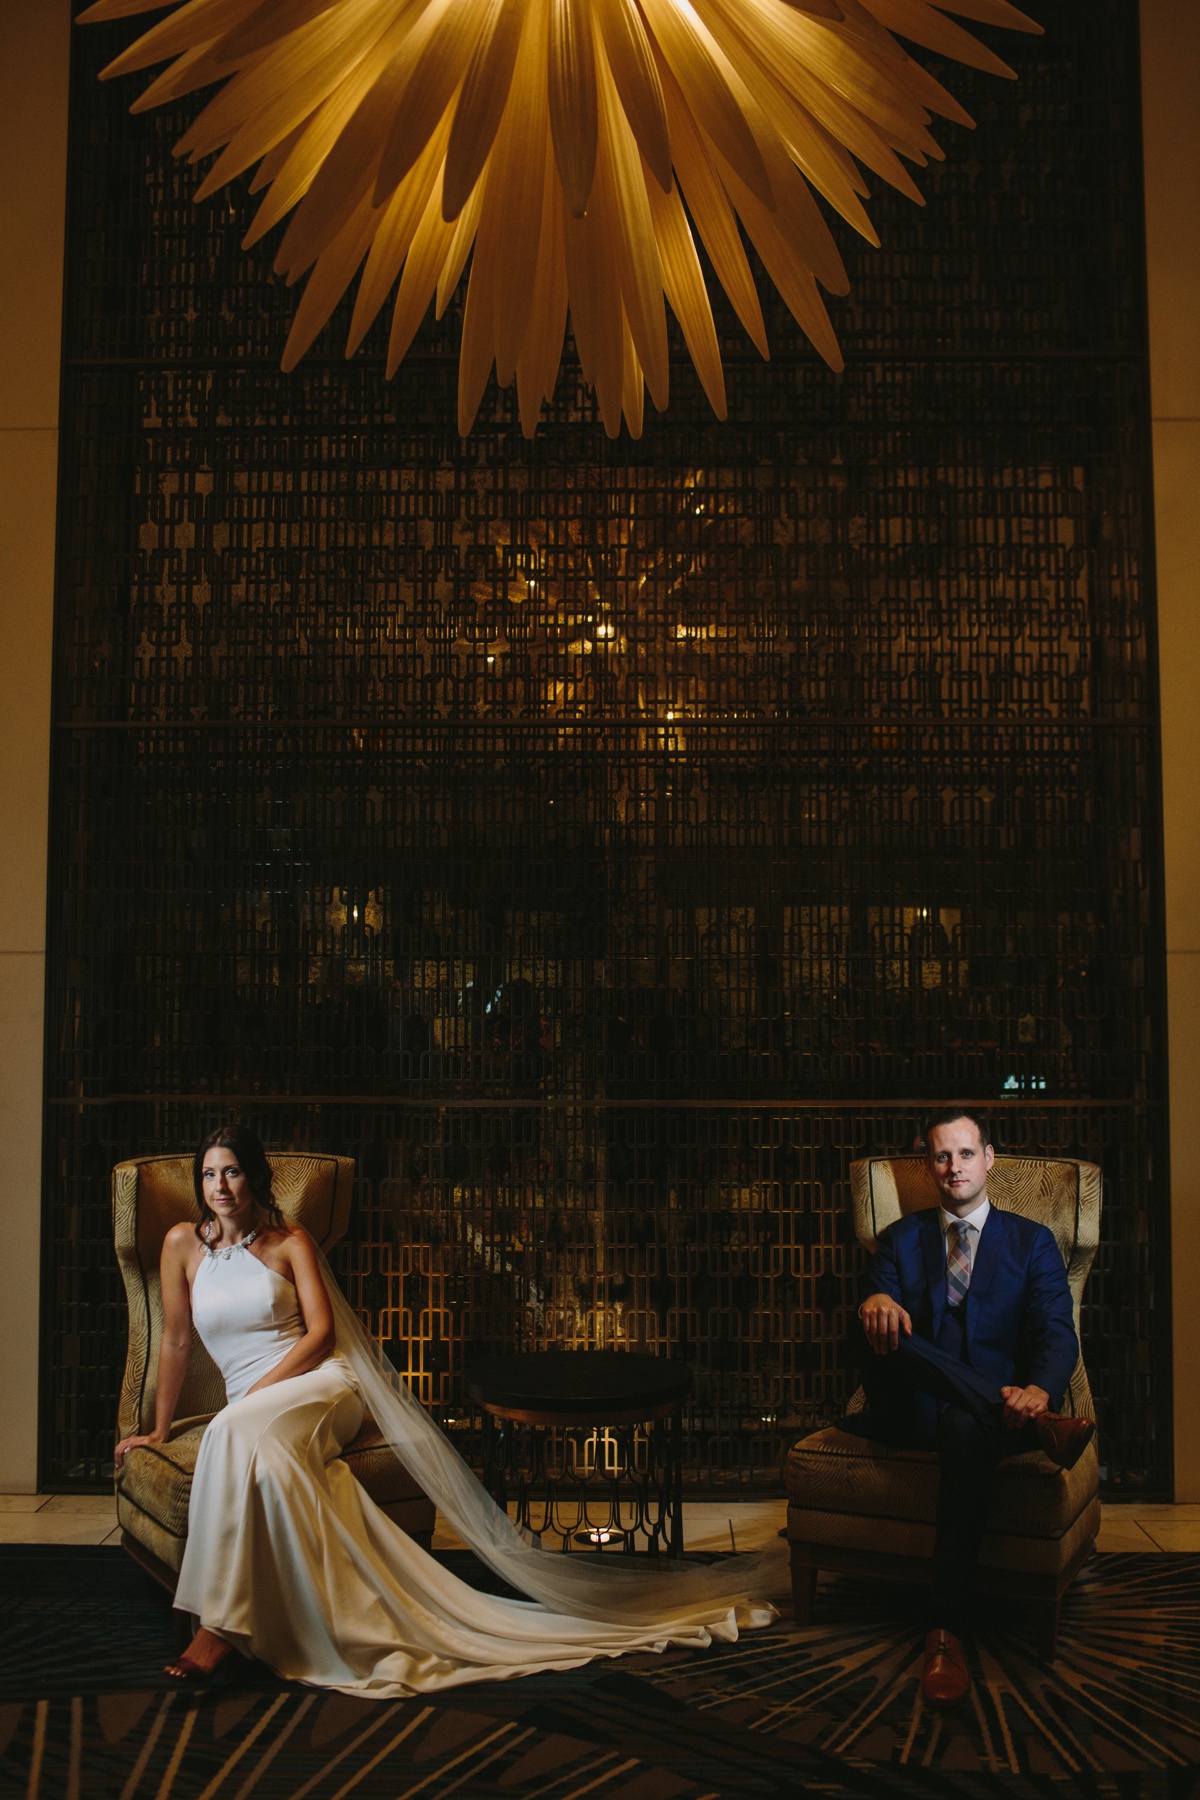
(572, 150)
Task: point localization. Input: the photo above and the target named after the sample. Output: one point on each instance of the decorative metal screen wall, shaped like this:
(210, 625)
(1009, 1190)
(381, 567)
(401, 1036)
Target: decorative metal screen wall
(604, 843)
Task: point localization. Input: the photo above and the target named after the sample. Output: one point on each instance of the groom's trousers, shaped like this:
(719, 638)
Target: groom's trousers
(926, 1396)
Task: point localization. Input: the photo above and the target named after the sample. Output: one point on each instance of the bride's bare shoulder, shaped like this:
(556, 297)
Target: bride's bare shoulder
(181, 1247)
(298, 1241)
(297, 1250)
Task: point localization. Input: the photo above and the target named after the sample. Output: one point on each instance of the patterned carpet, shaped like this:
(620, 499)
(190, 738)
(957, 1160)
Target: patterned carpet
(833, 1709)
(1122, 1694)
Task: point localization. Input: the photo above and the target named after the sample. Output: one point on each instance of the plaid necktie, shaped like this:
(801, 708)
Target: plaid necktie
(958, 1264)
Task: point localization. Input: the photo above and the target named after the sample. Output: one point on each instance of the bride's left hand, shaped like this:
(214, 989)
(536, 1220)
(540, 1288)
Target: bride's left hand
(134, 1443)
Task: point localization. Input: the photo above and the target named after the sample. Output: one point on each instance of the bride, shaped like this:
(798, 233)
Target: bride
(289, 1560)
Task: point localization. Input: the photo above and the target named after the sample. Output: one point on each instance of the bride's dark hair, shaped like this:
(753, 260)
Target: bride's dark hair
(252, 1160)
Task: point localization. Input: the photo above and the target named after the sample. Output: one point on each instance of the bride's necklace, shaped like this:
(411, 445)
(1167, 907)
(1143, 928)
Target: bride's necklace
(225, 1254)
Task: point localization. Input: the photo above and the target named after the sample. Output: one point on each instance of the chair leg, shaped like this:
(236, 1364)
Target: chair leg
(804, 1589)
(1046, 1627)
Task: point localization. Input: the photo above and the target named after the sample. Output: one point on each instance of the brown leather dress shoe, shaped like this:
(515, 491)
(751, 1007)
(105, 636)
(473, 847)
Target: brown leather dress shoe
(945, 1677)
(1063, 1439)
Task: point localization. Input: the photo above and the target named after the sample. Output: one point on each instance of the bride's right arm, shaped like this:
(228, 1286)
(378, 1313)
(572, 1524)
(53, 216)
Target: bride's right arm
(176, 1344)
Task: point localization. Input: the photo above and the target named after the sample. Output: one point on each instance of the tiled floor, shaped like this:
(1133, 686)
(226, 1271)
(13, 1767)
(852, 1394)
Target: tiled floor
(91, 1519)
(58, 1519)
(1150, 1528)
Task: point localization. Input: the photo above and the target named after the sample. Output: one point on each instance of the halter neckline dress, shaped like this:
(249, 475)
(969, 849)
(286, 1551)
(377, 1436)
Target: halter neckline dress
(291, 1561)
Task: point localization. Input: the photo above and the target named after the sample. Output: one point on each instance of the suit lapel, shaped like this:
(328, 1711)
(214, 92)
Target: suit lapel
(987, 1259)
(933, 1251)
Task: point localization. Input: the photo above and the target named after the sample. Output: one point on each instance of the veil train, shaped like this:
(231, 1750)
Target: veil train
(606, 1589)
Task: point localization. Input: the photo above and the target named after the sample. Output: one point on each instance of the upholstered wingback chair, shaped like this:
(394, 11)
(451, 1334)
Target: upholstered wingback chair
(868, 1509)
(150, 1194)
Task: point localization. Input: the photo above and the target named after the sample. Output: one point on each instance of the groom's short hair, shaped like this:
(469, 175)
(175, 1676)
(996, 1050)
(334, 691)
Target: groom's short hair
(948, 1115)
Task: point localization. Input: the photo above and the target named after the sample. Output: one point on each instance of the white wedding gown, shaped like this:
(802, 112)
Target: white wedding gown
(291, 1561)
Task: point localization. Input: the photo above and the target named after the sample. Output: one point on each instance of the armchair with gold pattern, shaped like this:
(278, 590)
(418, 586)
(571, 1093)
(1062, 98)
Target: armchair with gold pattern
(150, 1194)
(868, 1509)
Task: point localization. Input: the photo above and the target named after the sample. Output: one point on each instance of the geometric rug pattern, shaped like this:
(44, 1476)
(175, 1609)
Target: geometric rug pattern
(1123, 1692)
(832, 1709)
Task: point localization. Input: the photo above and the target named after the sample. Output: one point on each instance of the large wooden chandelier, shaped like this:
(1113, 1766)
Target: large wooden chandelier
(572, 149)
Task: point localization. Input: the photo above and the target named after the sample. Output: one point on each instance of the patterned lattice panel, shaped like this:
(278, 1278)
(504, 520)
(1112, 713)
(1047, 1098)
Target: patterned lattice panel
(606, 842)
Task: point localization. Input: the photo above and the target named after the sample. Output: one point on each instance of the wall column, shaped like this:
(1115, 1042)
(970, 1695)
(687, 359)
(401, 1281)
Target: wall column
(33, 162)
(1170, 79)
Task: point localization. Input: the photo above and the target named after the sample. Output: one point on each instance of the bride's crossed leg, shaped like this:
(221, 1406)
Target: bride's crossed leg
(255, 1512)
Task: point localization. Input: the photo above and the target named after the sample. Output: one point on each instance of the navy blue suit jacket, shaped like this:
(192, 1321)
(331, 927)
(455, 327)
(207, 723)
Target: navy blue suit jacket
(1019, 1324)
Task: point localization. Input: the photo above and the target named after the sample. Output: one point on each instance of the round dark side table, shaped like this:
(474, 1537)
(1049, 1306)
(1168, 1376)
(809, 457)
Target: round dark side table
(593, 1439)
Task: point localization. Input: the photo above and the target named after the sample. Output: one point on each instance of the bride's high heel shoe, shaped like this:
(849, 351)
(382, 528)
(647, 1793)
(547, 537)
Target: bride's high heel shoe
(183, 1672)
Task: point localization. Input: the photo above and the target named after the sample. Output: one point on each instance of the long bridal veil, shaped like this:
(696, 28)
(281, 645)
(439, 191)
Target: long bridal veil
(604, 1588)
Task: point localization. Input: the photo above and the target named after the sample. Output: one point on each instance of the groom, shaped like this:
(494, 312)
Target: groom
(972, 1342)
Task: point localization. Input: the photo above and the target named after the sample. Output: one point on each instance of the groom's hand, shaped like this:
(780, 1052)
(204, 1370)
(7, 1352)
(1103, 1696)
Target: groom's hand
(883, 1320)
(1023, 1404)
